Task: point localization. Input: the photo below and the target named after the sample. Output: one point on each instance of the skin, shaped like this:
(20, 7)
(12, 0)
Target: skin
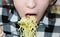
(23, 7)
(37, 7)
(1, 32)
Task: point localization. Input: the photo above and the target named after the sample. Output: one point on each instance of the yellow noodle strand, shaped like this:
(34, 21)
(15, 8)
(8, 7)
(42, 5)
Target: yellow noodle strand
(28, 27)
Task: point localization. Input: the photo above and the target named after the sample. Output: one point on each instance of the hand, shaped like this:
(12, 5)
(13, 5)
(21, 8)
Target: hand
(1, 32)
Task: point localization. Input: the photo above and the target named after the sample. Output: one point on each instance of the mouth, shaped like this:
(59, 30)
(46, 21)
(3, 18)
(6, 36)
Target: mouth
(30, 14)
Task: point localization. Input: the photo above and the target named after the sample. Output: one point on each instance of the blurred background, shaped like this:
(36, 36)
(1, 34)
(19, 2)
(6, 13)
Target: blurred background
(56, 8)
(5, 2)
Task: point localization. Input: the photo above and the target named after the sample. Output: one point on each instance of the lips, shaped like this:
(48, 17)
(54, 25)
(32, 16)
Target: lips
(30, 14)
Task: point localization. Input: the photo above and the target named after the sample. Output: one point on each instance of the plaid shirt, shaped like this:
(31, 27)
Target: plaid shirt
(49, 26)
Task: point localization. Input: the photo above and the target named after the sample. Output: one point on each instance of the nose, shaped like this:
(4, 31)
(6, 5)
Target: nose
(30, 4)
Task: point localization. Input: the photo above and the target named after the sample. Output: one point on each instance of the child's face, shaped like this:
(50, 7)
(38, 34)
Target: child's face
(28, 8)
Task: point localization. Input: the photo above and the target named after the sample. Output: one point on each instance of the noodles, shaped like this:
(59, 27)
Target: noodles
(28, 27)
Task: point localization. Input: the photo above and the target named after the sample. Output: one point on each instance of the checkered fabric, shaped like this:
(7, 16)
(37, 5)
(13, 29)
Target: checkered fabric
(49, 26)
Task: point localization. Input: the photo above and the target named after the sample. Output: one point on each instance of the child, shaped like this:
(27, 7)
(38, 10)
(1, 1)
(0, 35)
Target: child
(26, 8)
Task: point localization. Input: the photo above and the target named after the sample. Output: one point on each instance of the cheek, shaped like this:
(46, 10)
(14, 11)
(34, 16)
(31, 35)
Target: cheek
(42, 6)
(19, 4)
(42, 3)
